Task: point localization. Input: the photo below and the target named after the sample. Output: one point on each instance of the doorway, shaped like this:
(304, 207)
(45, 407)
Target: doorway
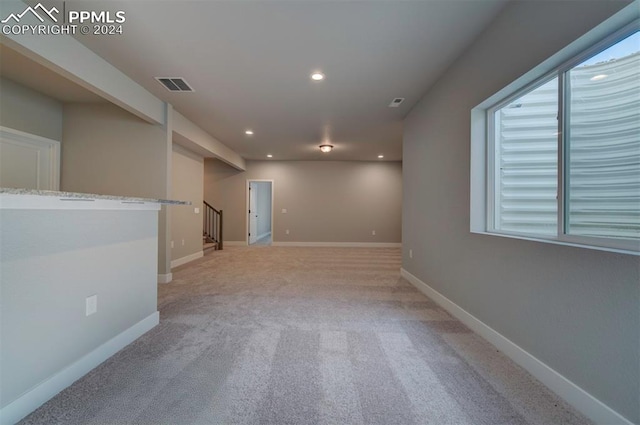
(260, 212)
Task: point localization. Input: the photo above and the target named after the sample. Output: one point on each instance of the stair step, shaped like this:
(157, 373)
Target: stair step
(209, 245)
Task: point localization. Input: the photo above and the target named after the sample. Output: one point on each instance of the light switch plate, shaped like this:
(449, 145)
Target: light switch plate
(284, 211)
(196, 210)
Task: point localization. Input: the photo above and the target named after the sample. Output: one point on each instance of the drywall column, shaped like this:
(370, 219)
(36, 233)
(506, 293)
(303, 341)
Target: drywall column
(164, 218)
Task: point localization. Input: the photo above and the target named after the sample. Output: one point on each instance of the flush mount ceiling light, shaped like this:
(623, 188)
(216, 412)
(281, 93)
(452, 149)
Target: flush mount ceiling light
(326, 148)
(598, 77)
(317, 76)
(380, 156)
(269, 156)
(248, 132)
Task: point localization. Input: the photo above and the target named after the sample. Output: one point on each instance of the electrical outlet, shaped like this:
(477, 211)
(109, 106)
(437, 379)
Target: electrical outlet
(284, 211)
(171, 244)
(373, 232)
(91, 305)
(287, 231)
(183, 242)
(411, 253)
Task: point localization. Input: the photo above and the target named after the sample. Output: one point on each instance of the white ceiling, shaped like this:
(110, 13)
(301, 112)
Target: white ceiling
(249, 63)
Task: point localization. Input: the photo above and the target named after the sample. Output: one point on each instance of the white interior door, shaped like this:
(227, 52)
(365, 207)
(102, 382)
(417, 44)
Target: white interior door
(253, 212)
(28, 161)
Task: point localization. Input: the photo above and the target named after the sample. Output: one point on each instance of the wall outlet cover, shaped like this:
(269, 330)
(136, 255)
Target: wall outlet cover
(91, 305)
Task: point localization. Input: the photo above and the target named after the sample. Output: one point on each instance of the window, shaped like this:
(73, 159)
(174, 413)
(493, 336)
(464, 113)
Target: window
(563, 153)
(602, 143)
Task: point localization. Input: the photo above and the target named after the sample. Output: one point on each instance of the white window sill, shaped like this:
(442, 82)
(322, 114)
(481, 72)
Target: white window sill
(561, 242)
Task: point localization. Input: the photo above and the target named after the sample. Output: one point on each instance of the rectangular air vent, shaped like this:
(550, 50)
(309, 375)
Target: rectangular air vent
(396, 102)
(174, 84)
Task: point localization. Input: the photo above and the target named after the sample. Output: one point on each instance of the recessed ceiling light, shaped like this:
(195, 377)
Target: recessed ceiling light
(317, 76)
(249, 132)
(269, 156)
(380, 156)
(326, 148)
(598, 77)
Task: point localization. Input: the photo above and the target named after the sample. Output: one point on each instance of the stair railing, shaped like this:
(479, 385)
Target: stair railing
(212, 224)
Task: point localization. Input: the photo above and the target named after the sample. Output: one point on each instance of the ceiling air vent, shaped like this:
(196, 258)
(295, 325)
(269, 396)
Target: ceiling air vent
(174, 84)
(396, 102)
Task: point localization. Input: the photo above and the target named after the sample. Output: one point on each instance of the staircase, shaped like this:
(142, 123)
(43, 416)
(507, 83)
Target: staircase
(211, 228)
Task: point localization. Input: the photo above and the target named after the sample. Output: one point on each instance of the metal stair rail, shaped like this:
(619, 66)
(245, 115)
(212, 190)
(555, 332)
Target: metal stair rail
(212, 225)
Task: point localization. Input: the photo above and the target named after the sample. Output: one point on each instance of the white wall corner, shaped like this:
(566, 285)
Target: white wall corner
(581, 400)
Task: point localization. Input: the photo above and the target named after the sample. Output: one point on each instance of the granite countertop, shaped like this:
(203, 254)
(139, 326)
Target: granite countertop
(74, 195)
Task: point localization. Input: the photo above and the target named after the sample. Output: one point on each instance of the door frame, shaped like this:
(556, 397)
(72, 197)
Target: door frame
(246, 206)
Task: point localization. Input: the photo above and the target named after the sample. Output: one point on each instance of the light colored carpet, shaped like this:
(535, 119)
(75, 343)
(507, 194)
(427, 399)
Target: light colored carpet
(275, 335)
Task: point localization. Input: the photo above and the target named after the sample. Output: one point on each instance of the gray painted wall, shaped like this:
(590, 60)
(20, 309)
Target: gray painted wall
(577, 310)
(107, 150)
(51, 260)
(187, 185)
(326, 201)
(27, 110)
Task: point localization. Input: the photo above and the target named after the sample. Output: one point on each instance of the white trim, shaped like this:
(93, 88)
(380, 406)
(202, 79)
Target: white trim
(341, 244)
(39, 395)
(483, 170)
(165, 278)
(186, 259)
(584, 402)
(560, 242)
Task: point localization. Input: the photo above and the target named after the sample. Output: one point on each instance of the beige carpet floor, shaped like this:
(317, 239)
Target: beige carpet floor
(275, 335)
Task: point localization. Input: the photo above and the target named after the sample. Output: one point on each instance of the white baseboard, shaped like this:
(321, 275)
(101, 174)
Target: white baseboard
(165, 278)
(584, 402)
(187, 259)
(39, 395)
(340, 244)
(234, 243)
